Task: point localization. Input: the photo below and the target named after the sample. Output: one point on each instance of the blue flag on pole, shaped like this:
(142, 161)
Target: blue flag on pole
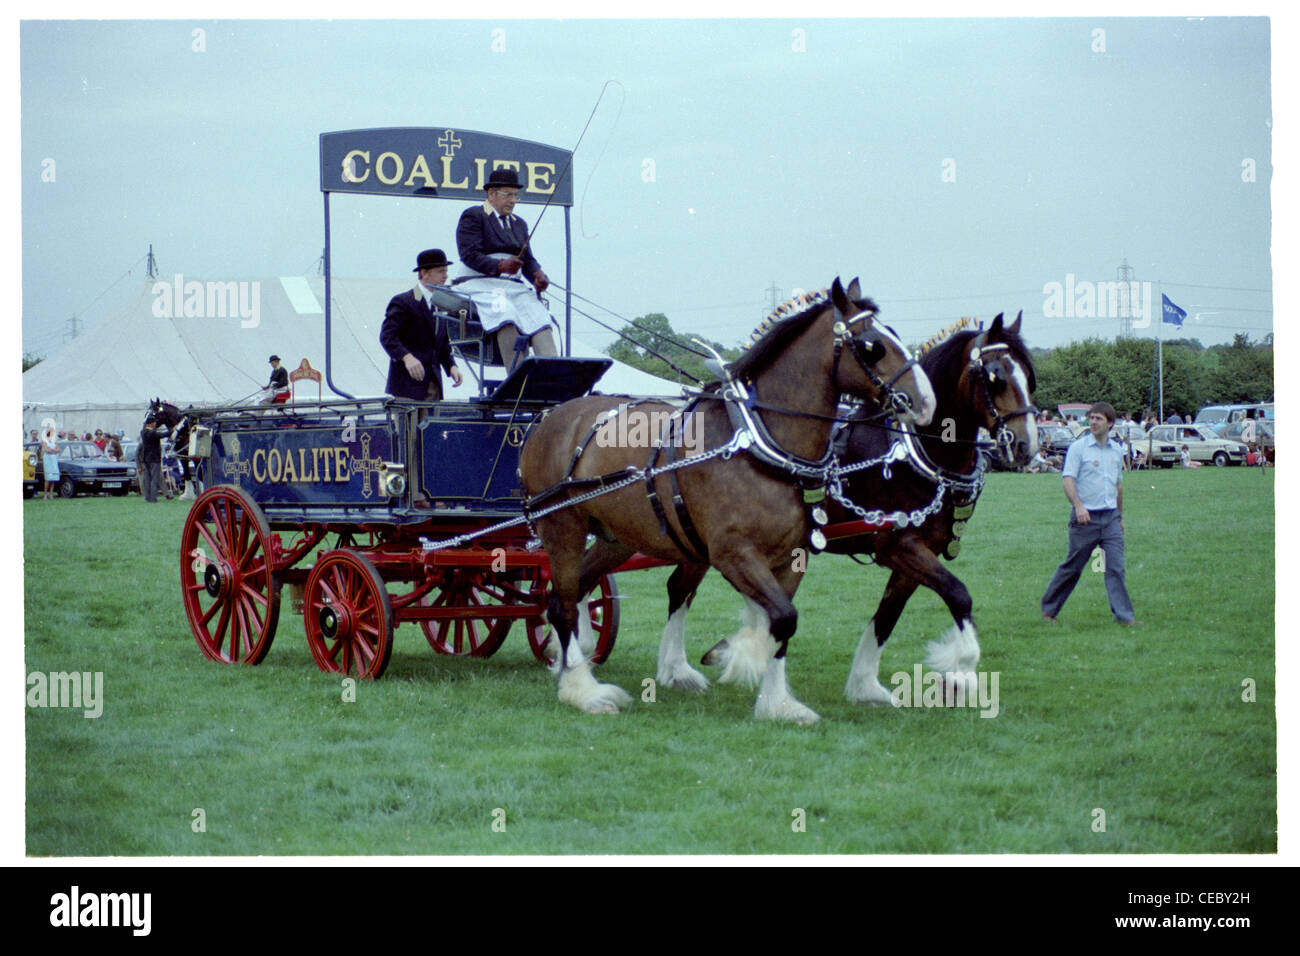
(1172, 314)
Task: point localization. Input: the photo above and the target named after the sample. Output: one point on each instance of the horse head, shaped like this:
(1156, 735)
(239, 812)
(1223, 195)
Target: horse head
(883, 369)
(160, 411)
(1001, 382)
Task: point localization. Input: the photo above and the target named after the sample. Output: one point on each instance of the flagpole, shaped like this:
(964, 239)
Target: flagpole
(1160, 352)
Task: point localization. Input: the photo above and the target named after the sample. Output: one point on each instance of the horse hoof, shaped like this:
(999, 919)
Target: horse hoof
(870, 695)
(687, 678)
(789, 711)
(965, 688)
(717, 654)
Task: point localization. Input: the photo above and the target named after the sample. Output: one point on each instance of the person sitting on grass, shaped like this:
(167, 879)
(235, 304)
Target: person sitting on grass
(1186, 456)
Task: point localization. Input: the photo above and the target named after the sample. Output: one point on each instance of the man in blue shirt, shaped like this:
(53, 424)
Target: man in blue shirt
(1091, 478)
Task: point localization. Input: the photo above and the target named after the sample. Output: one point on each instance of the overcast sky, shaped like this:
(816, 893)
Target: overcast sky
(958, 166)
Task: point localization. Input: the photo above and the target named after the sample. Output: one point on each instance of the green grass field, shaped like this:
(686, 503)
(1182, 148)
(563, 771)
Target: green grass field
(1144, 729)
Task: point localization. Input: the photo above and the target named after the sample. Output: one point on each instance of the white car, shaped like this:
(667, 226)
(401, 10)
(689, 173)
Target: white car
(1201, 442)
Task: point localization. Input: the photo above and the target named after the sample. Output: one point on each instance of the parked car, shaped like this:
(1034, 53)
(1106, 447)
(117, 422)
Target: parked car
(1161, 452)
(83, 468)
(1250, 431)
(1055, 439)
(129, 448)
(1201, 442)
(30, 483)
(1214, 414)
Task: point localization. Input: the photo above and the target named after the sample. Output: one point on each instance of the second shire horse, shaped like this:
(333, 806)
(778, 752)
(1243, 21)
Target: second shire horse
(735, 503)
(935, 474)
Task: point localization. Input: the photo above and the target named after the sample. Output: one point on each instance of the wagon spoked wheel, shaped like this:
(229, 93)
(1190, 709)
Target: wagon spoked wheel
(471, 595)
(229, 586)
(348, 615)
(602, 608)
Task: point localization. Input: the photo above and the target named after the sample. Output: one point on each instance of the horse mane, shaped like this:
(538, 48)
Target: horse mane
(783, 325)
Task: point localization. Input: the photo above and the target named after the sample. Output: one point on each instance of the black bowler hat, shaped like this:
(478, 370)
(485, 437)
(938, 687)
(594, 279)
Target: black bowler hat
(274, 358)
(431, 259)
(503, 178)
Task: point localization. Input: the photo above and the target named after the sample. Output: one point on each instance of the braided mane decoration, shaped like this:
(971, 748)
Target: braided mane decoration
(790, 307)
(780, 326)
(943, 335)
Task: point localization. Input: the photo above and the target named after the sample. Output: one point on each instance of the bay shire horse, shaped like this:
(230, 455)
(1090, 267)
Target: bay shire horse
(740, 513)
(179, 423)
(981, 379)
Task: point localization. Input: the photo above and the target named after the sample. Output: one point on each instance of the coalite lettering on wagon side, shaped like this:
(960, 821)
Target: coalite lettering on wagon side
(291, 464)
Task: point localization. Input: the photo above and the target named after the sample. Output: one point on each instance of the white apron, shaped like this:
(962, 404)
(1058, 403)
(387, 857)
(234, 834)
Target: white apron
(503, 299)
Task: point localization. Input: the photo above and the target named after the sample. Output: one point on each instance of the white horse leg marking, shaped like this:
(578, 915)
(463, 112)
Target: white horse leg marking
(674, 671)
(577, 686)
(956, 655)
(863, 685)
(775, 702)
(747, 652)
(586, 634)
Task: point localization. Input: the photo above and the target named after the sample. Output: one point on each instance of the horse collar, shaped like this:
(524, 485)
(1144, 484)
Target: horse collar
(739, 403)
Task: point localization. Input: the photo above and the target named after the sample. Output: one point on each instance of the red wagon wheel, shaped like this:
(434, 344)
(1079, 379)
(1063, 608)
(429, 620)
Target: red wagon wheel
(348, 615)
(469, 595)
(602, 607)
(229, 586)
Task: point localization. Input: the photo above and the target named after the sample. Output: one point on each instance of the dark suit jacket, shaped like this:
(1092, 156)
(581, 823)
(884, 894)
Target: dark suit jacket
(480, 232)
(409, 326)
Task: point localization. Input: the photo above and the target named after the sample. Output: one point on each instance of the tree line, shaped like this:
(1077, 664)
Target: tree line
(1122, 372)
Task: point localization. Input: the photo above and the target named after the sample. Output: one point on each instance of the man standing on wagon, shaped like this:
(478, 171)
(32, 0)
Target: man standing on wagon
(416, 341)
(496, 260)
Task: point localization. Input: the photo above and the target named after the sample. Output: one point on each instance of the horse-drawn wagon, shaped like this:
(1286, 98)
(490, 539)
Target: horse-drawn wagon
(335, 501)
(344, 478)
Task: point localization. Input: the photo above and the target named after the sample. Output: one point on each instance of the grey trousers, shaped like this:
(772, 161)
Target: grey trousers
(507, 335)
(1103, 529)
(150, 479)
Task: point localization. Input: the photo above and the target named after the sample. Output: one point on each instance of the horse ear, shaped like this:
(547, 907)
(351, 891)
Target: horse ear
(839, 299)
(995, 329)
(1014, 327)
(854, 292)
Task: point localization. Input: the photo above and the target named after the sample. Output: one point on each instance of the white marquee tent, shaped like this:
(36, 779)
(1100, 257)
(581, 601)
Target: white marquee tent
(217, 354)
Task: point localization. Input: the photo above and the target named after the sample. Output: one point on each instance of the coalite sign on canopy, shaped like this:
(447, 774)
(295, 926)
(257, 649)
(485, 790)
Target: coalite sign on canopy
(440, 163)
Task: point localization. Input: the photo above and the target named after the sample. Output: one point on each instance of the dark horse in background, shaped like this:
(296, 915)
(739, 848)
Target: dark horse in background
(178, 423)
(732, 511)
(981, 380)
